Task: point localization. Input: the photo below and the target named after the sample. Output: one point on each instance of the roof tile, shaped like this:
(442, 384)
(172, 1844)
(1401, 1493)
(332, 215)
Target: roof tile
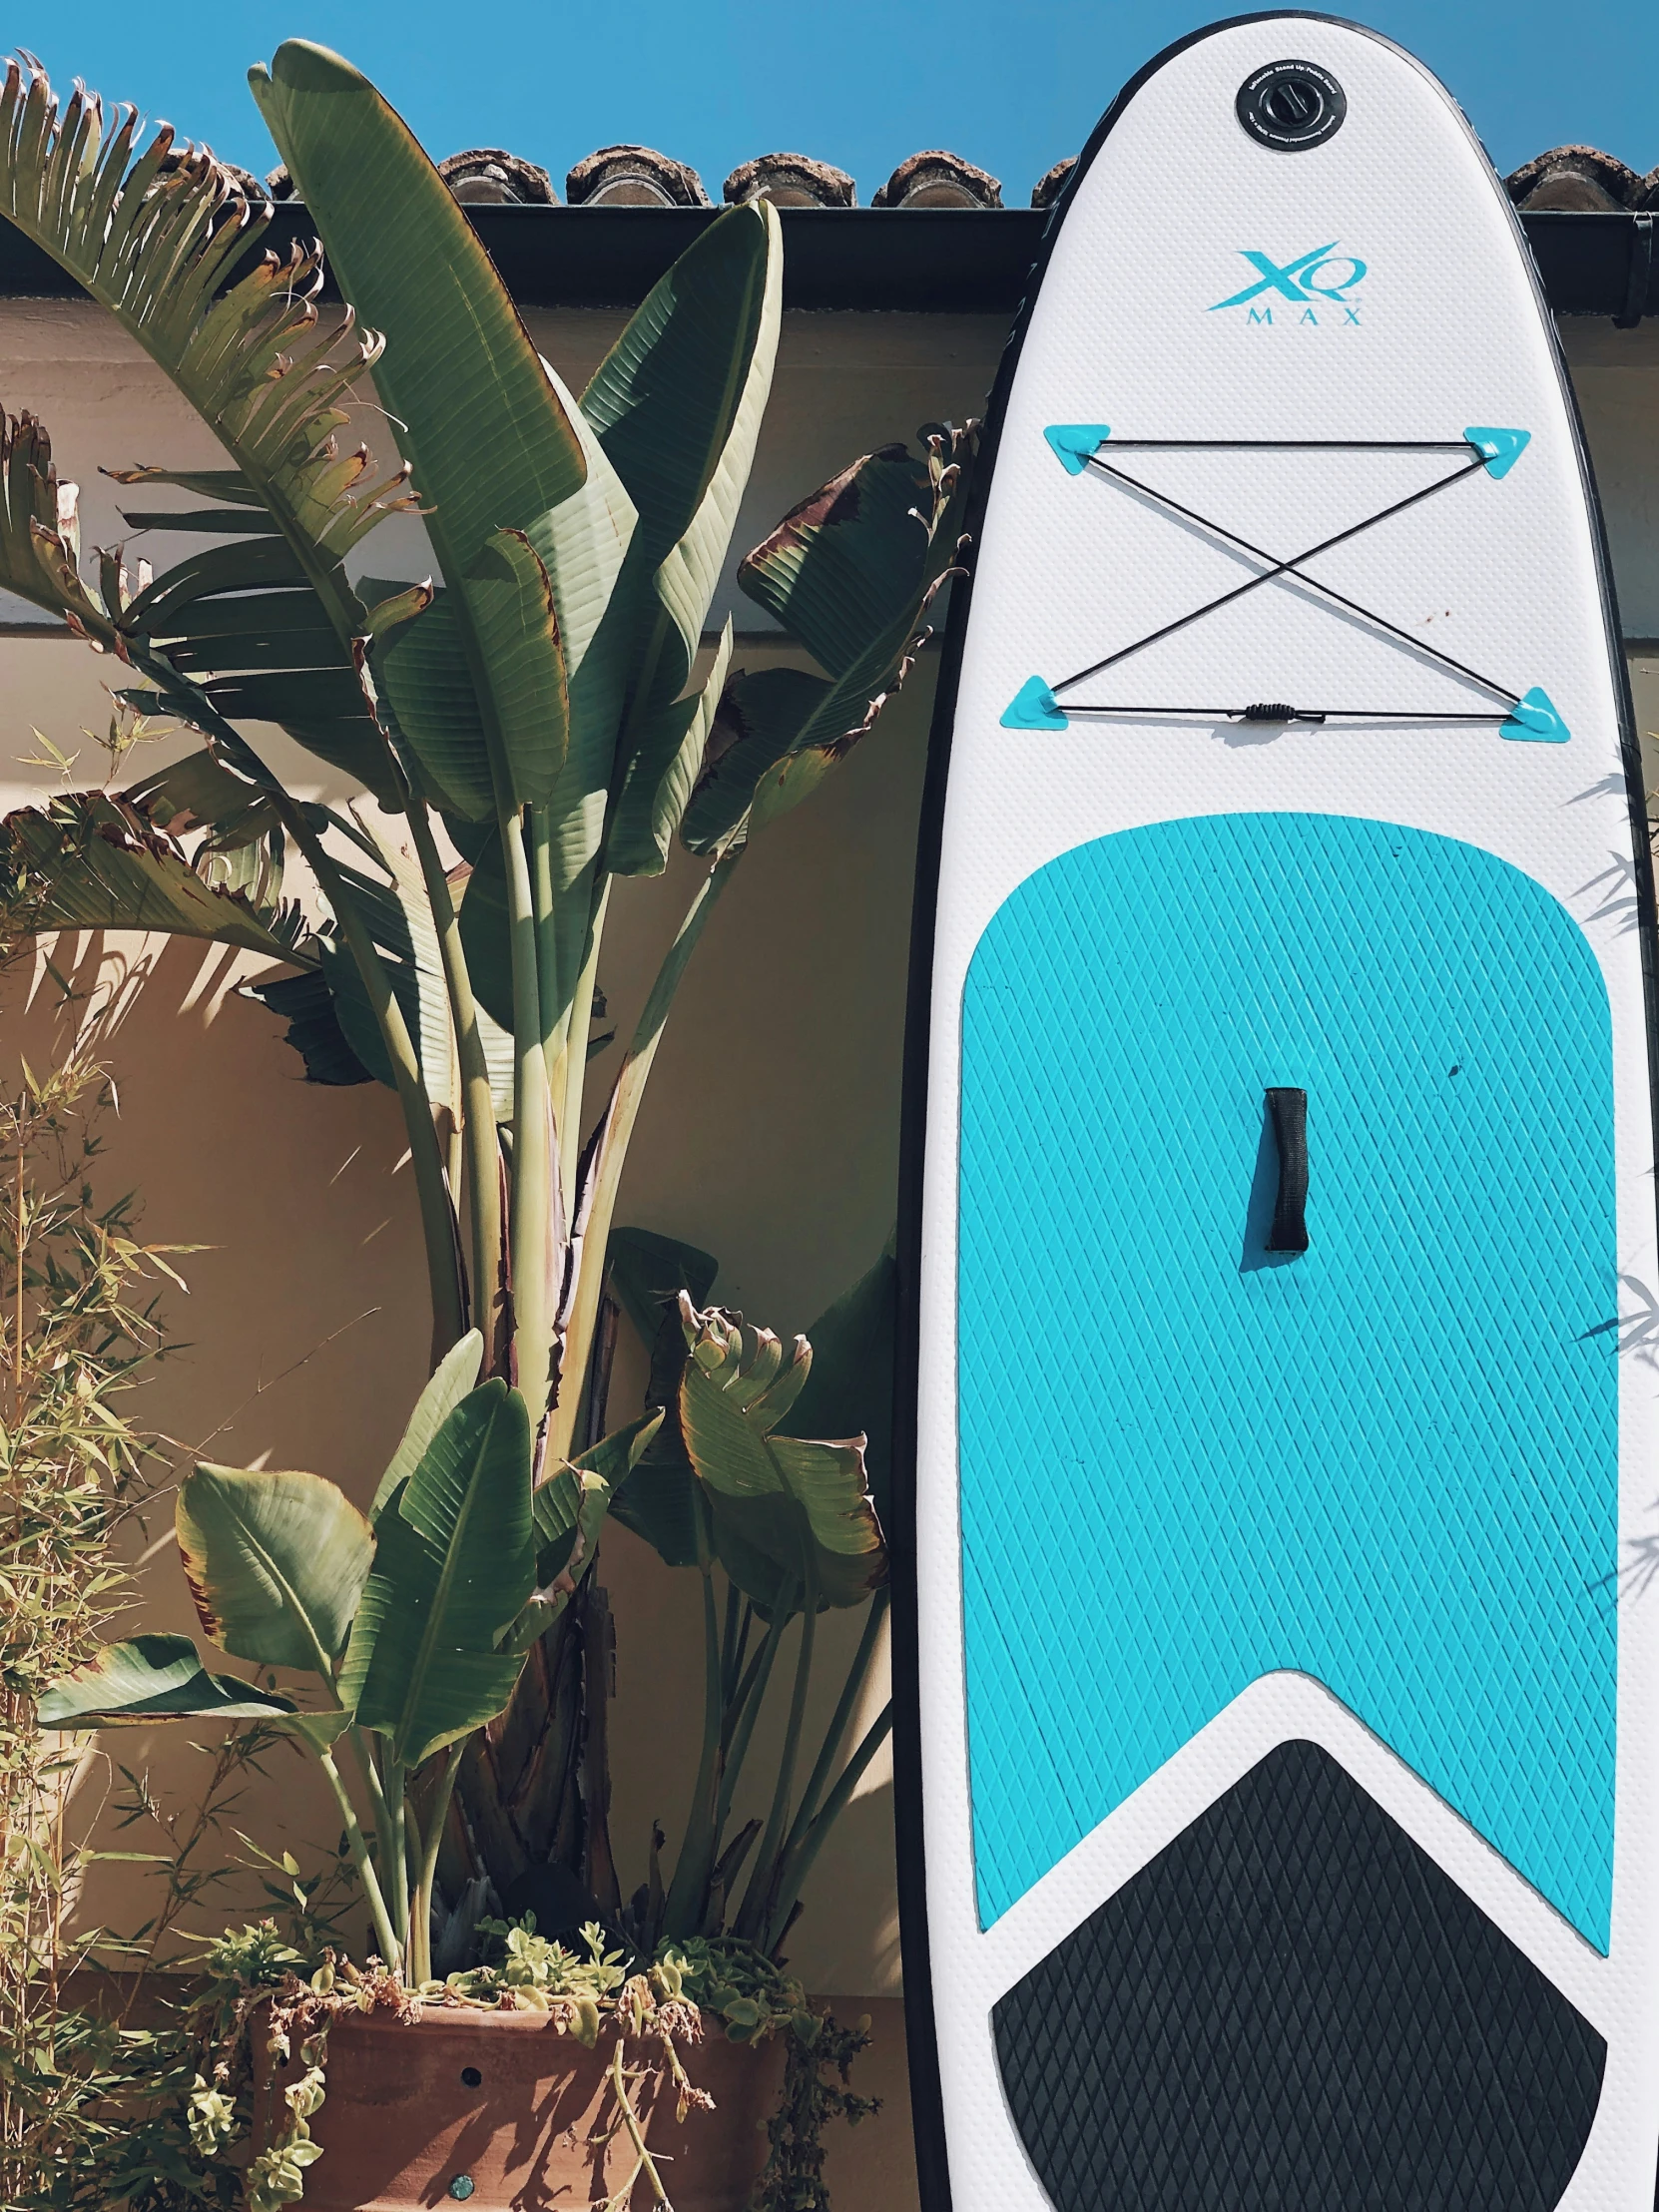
(791, 181)
(937, 178)
(634, 177)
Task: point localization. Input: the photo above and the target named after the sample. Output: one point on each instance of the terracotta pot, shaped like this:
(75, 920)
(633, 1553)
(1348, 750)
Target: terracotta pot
(503, 2102)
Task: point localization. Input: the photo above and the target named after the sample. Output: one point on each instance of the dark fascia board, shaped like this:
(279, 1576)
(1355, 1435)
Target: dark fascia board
(929, 261)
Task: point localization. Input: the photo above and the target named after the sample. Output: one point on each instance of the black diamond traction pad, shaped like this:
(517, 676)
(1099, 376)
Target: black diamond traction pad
(1293, 2008)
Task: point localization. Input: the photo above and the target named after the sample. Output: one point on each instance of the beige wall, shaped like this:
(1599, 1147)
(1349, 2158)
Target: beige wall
(769, 1134)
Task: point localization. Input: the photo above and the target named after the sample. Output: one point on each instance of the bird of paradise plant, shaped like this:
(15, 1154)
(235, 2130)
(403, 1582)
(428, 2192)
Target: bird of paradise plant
(531, 725)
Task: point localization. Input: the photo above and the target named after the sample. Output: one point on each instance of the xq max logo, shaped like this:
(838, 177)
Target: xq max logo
(1321, 274)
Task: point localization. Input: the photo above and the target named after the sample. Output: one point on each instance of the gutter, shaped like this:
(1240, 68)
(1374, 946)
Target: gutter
(919, 260)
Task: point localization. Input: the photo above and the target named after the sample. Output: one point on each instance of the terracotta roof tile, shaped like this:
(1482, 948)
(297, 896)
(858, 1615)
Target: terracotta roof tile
(1580, 179)
(937, 178)
(634, 177)
(485, 175)
(791, 181)
(1052, 183)
(1567, 179)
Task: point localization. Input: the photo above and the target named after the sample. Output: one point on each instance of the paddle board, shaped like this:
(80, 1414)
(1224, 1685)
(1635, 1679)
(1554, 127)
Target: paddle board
(1277, 1767)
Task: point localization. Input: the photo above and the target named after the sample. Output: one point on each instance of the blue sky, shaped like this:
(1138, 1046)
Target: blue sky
(860, 83)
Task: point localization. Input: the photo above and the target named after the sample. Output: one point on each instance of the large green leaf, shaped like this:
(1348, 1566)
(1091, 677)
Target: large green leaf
(678, 403)
(399, 916)
(454, 1375)
(201, 793)
(646, 1273)
(422, 671)
(757, 720)
(275, 1562)
(851, 1387)
(677, 400)
(89, 862)
(314, 1030)
(837, 566)
(803, 1504)
(661, 772)
(152, 1678)
(850, 574)
(490, 444)
(198, 620)
(453, 1566)
(569, 1507)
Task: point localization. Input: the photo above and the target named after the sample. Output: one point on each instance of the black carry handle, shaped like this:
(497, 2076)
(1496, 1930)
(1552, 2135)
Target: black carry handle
(1288, 1113)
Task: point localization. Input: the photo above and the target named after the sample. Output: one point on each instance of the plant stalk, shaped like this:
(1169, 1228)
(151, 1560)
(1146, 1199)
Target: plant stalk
(857, 1674)
(533, 1194)
(798, 1864)
(398, 1870)
(482, 1151)
(688, 1891)
(420, 1927)
(356, 1844)
(750, 1697)
(605, 1174)
(571, 1063)
(757, 1898)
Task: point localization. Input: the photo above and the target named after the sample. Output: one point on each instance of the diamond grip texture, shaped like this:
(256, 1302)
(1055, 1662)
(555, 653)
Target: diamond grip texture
(1291, 2008)
(1390, 1462)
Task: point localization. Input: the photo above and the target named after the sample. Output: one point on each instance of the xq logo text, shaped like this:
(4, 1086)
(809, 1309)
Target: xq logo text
(1323, 276)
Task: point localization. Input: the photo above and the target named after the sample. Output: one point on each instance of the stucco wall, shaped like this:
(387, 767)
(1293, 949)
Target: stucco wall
(770, 1132)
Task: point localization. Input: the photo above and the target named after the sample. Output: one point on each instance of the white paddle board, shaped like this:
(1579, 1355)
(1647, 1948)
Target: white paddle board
(1278, 1797)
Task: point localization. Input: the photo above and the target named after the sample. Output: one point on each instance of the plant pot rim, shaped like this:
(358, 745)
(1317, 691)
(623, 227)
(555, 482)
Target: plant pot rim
(521, 2021)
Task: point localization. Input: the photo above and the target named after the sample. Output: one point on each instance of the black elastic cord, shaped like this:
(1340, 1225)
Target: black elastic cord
(1289, 445)
(1267, 576)
(1261, 553)
(1296, 714)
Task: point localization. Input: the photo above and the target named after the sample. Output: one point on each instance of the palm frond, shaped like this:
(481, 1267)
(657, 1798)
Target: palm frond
(157, 235)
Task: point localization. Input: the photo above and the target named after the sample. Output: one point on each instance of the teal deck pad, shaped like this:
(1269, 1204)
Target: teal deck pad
(1389, 1461)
